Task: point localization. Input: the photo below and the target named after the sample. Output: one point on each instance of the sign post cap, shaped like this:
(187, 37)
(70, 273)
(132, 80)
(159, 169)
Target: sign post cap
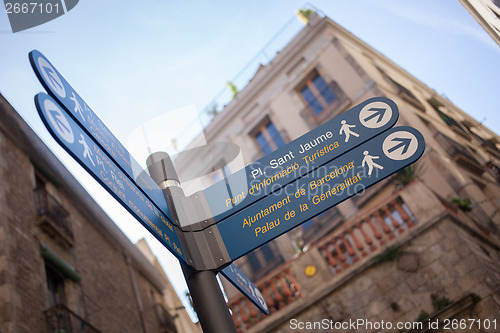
(161, 167)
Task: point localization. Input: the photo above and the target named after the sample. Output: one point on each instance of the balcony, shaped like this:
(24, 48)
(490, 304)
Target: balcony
(52, 217)
(460, 154)
(60, 319)
(362, 236)
(489, 145)
(406, 94)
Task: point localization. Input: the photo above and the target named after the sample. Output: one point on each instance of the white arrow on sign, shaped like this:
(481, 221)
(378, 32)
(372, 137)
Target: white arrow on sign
(375, 114)
(59, 121)
(400, 145)
(51, 77)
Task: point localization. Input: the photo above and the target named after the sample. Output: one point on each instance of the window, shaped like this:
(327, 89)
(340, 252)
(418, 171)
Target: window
(52, 217)
(323, 98)
(39, 181)
(317, 93)
(268, 138)
(55, 284)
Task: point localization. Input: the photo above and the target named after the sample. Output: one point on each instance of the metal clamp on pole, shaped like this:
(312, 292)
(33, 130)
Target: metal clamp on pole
(202, 248)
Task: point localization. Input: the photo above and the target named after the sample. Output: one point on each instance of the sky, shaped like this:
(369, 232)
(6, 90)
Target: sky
(156, 64)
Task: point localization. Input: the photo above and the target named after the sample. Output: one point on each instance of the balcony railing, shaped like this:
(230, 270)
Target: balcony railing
(60, 319)
(460, 154)
(406, 94)
(362, 236)
(52, 216)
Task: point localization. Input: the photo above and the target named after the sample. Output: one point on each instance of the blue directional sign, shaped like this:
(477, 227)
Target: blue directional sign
(92, 158)
(301, 156)
(82, 114)
(241, 282)
(320, 189)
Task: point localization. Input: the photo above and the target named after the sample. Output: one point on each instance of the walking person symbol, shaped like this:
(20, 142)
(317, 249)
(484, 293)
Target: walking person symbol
(368, 159)
(78, 107)
(86, 150)
(346, 128)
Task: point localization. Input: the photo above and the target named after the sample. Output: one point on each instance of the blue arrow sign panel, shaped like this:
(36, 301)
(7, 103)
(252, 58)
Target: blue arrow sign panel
(89, 154)
(241, 282)
(82, 114)
(299, 157)
(321, 189)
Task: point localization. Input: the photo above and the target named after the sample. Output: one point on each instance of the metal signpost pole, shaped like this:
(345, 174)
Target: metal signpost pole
(206, 294)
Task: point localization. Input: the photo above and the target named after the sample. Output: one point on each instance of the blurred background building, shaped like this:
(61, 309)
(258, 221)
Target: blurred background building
(422, 244)
(64, 265)
(487, 14)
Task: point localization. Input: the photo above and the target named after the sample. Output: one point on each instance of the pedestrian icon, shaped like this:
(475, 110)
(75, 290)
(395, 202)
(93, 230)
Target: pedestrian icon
(51, 77)
(59, 121)
(375, 114)
(400, 145)
(368, 160)
(78, 107)
(346, 129)
(86, 150)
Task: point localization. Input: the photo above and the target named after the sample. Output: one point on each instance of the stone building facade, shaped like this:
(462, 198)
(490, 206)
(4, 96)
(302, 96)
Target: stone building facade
(64, 265)
(487, 14)
(418, 247)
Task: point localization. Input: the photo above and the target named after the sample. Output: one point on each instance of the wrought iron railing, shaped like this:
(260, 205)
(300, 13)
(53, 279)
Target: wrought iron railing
(460, 154)
(48, 206)
(60, 319)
